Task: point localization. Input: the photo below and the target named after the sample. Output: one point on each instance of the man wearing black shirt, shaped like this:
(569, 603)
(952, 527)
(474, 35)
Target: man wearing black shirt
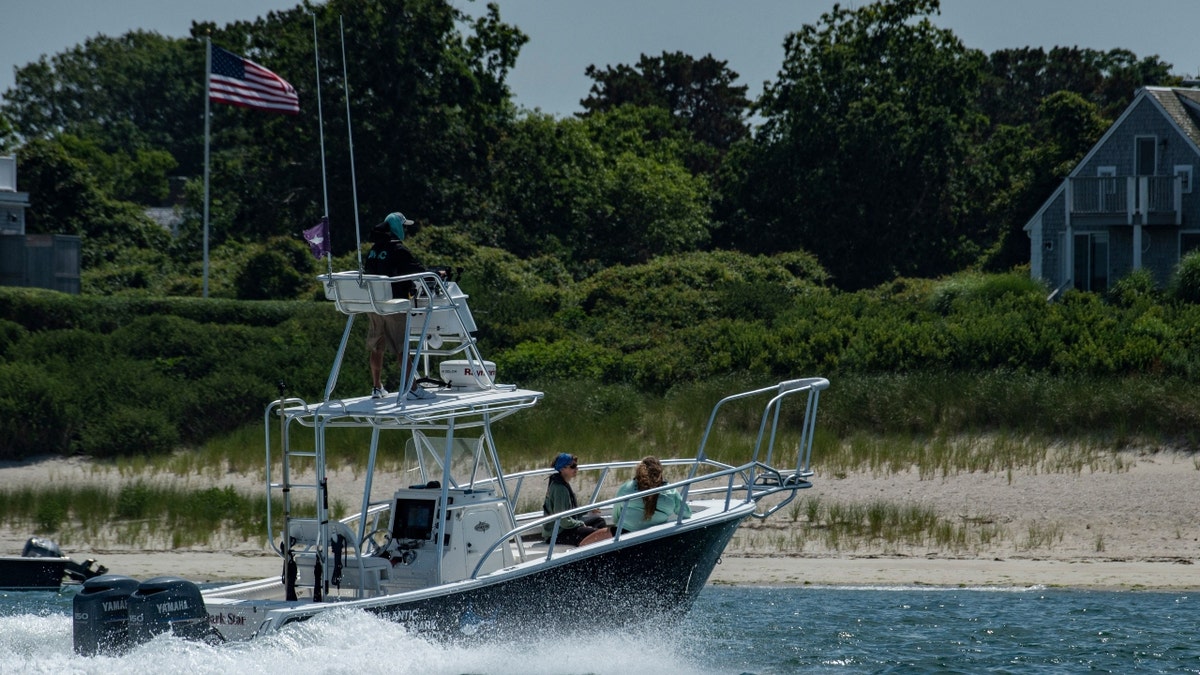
(389, 257)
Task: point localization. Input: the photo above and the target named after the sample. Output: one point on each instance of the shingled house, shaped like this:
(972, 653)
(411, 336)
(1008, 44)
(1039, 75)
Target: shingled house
(1130, 203)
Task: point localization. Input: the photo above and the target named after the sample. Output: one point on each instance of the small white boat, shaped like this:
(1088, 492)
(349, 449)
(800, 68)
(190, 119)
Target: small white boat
(449, 552)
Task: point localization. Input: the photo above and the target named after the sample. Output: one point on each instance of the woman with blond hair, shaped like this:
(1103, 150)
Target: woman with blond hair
(657, 508)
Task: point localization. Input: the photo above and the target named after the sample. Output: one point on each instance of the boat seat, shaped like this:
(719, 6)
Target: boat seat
(355, 293)
(304, 533)
(373, 569)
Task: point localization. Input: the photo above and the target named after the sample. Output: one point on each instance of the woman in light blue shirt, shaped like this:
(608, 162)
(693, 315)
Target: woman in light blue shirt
(655, 509)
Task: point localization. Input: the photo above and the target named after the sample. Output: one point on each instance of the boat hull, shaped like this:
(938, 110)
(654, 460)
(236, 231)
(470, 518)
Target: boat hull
(32, 574)
(651, 581)
(643, 577)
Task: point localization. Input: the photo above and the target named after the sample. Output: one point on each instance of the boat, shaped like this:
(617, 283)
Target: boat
(455, 549)
(43, 567)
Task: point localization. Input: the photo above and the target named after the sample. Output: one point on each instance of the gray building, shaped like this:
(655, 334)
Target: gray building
(12, 203)
(1130, 203)
(38, 260)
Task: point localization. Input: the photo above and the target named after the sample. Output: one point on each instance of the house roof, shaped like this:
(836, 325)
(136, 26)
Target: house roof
(1183, 107)
(1180, 106)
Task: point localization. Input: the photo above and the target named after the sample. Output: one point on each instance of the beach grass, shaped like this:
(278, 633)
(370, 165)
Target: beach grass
(883, 526)
(140, 512)
(602, 422)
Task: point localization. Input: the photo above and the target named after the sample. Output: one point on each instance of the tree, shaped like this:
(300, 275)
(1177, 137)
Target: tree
(1015, 81)
(549, 187)
(426, 102)
(604, 190)
(135, 92)
(1030, 162)
(69, 200)
(865, 155)
(699, 93)
(7, 135)
(657, 207)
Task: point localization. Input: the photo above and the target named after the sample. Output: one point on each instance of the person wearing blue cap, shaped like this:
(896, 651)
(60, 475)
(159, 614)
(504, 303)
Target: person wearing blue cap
(560, 497)
(390, 257)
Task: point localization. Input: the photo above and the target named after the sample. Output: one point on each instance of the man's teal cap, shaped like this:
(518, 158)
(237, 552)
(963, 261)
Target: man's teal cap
(396, 221)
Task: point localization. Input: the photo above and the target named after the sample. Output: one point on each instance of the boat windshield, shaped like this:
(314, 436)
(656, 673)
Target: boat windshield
(425, 460)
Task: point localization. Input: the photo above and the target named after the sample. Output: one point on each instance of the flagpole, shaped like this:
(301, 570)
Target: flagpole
(321, 129)
(207, 77)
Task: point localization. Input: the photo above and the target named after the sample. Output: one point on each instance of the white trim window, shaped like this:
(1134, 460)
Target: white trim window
(1185, 170)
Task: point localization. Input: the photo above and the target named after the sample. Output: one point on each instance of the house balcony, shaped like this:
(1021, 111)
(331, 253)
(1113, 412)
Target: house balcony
(1125, 200)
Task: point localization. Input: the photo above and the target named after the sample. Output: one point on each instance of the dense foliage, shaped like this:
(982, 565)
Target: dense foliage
(885, 147)
(126, 375)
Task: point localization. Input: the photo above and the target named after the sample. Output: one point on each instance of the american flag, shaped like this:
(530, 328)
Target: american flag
(242, 82)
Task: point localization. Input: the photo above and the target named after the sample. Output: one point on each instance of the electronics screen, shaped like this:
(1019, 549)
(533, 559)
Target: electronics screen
(413, 518)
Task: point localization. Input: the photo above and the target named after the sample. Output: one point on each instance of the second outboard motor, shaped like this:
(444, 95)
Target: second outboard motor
(36, 547)
(168, 604)
(101, 615)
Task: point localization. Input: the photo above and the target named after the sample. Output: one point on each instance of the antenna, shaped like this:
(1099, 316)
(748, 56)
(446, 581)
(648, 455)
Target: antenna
(321, 134)
(350, 138)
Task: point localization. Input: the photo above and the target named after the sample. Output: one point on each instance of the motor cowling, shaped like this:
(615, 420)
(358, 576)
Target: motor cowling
(36, 547)
(101, 615)
(168, 604)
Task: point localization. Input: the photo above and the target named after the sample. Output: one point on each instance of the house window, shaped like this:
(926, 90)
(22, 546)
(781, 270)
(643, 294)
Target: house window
(1188, 242)
(1091, 262)
(1108, 188)
(1185, 171)
(1145, 148)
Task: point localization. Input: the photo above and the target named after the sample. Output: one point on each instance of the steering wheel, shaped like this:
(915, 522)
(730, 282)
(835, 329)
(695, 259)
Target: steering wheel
(371, 545)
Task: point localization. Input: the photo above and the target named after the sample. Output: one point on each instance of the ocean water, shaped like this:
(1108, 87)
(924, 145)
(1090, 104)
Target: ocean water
(730, 630)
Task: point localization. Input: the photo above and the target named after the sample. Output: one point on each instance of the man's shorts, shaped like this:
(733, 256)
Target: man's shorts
(387, 330)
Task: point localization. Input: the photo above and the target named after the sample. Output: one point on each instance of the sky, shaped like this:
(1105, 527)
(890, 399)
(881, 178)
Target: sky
(566, 36)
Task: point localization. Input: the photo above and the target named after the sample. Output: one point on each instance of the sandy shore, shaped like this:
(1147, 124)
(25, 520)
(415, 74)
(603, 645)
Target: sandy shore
(1131, 524)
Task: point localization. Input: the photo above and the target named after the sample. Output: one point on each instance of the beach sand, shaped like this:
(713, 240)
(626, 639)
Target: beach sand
(1131, 523)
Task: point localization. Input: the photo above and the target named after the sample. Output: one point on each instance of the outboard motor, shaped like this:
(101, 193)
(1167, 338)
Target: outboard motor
(36, 547)
(171, 604)
(101, 615)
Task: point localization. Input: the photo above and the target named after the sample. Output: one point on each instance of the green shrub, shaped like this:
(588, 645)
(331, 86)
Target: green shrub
(133, 501)
(126, 430)
(973, 286)
(565, 360)
(231, 399)
(34, 407)
(208, 507)
(1133, 289)
(1185, 282)
(281, 269)
(51, 513)
(11, 333)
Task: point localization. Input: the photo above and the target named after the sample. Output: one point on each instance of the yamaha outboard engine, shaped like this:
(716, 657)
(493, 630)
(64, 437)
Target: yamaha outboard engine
(171, 604)
(101, 615)
(36, 547)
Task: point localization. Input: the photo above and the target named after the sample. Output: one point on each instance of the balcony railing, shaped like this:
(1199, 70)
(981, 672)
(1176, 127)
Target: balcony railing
(1129, 200)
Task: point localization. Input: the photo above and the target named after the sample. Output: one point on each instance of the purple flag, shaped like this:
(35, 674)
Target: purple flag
(317, 237)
